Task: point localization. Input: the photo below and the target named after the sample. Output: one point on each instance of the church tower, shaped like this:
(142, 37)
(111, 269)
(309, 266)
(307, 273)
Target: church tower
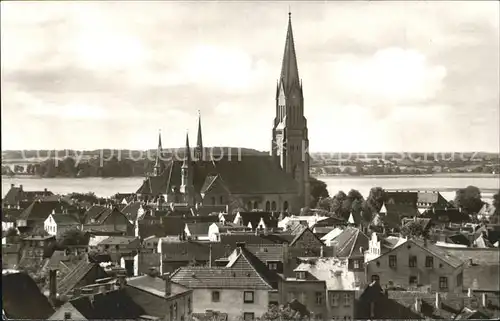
(158, 168)
(290, 144)
(199, 152)
(187, 175)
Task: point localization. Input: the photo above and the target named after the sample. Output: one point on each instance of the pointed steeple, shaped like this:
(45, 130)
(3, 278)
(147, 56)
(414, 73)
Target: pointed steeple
(289, 69)
(187, 153)
(199, 151)
(159, 150)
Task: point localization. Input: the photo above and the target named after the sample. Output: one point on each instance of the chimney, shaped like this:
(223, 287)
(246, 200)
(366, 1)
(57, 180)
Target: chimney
(321, 253)
(470, 293)
(122, 281)
(168, 285)
(21, 187)
(438, 301)
(45, 189)
(418, 305)
(484, 300)
(11, 185)
(52, 284)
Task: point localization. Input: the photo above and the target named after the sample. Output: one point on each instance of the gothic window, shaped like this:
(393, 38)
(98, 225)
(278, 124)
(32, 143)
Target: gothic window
(273, 206)
(255, 205)
(249, 205)
(221, 200)
(285, 206)
(268, 206)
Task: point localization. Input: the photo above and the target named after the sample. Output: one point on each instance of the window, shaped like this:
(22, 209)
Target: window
(347, 299)
(335, 300)
(67, 315)
(221, 200)
(215, 296)
(412, 261)
(248, 316)
(273, 266)
(319, 316)
(301, 275)
(213, 200)
(285, 206)
(375, 278)
(273, 206)
(393, 261)
(413, 280)
(319, 298)
(248, 297)
(443, 283)
(190, 308)
(268, 206)
(429, 261)
(460, 279)
(356, 264)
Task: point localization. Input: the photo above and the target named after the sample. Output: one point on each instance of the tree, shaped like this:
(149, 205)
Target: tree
(495, 217)
(324, 203)
(74, 237)
(337, 201)
(318, 190)
(469, 199)
(373, 203)
(414, 229)
(11, 235)
(281, 313)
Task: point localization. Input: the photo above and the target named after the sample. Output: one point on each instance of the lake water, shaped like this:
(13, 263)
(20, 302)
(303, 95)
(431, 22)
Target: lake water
(447, 185)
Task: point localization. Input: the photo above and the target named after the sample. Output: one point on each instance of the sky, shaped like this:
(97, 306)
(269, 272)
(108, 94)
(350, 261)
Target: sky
(377, 76)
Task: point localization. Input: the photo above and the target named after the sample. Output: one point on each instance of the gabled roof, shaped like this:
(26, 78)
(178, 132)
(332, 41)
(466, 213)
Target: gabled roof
(199, 228)
(245, 272)
(21, 298)
(190, 250)
(94, 212)
(131, 210)
(254, 218)
(109, 305)
(155, 286)
(251, 238)
(69, 282)
(267, 252)
(65, 219)
(40, 210)
(118, 240)
(349, 242)
(18, 194)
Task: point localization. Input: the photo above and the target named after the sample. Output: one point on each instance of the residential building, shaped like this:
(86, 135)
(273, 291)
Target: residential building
(417, 264)
(58, 224)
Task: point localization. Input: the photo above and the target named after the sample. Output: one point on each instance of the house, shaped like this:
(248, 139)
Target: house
(107, 219)
(351, 244)
(305, 220)
(160, 297)
(244, 288)
(58, 224)
(9, 217)
(423, 200)
(375, 303)
(381, 245)
(36, 214)
(123, 249)
(198, 231)
(35, 245)
(256, 220)
(22, 299)
(416, 264)
(341, 283)
(11, 255)
(306, 294)
(17, 195)
(215, 230)
(330, 236)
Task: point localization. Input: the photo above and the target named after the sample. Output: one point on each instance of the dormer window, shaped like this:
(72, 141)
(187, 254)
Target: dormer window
(273, 266)
(300, 275)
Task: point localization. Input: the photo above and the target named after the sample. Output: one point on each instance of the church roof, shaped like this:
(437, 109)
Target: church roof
(241, 175)
(289, 69)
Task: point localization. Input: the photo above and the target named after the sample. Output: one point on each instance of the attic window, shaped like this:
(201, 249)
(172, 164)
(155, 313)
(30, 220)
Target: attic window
(67, 315)
(301, 275)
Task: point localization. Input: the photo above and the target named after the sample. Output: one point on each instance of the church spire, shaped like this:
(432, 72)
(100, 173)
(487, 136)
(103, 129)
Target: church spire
(187, 153)
(199, 151)
(289, 70)
(159, 150)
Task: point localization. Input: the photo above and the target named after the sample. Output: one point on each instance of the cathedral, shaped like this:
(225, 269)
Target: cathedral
(278, 182)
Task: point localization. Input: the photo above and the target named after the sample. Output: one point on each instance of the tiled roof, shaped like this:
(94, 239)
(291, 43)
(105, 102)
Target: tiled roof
(209, 209)
(10, 214)
(438, 252)
(16, 194)
(402, 209)
(266, 252)
(109, 305)
(251, 238)
(154, 285)
(245, 272)
(93, 213)
(477, 255)
(71, 279)
(21, 298)
(131, 210)
(349, 242)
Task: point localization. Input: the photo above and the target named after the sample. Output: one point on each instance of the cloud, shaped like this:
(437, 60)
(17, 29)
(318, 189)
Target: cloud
(375, 76)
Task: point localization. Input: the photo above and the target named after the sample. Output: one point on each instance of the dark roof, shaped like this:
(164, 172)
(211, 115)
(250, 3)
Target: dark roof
(21, 298)
(402, 210)
(330, 222)
(269, 218)
(118, 240)
(76, 275)
(480, 256)
(251, 238)
(452, 215)
(459, 238)
(40, 210)
(94, 212)
(171, 225)
(10, 214)
(65, 219)
(206, 210)
(110, 305)
(188, 251)
(17, 194)
(238, 175)
(266, 252)
(200, 228)
(401, 197)
(438, 252)
(349, 242)
(132, 209)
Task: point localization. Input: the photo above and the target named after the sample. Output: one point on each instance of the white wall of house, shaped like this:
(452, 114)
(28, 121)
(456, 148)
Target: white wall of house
(214, 233)
(7, 225)
(50, 225)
